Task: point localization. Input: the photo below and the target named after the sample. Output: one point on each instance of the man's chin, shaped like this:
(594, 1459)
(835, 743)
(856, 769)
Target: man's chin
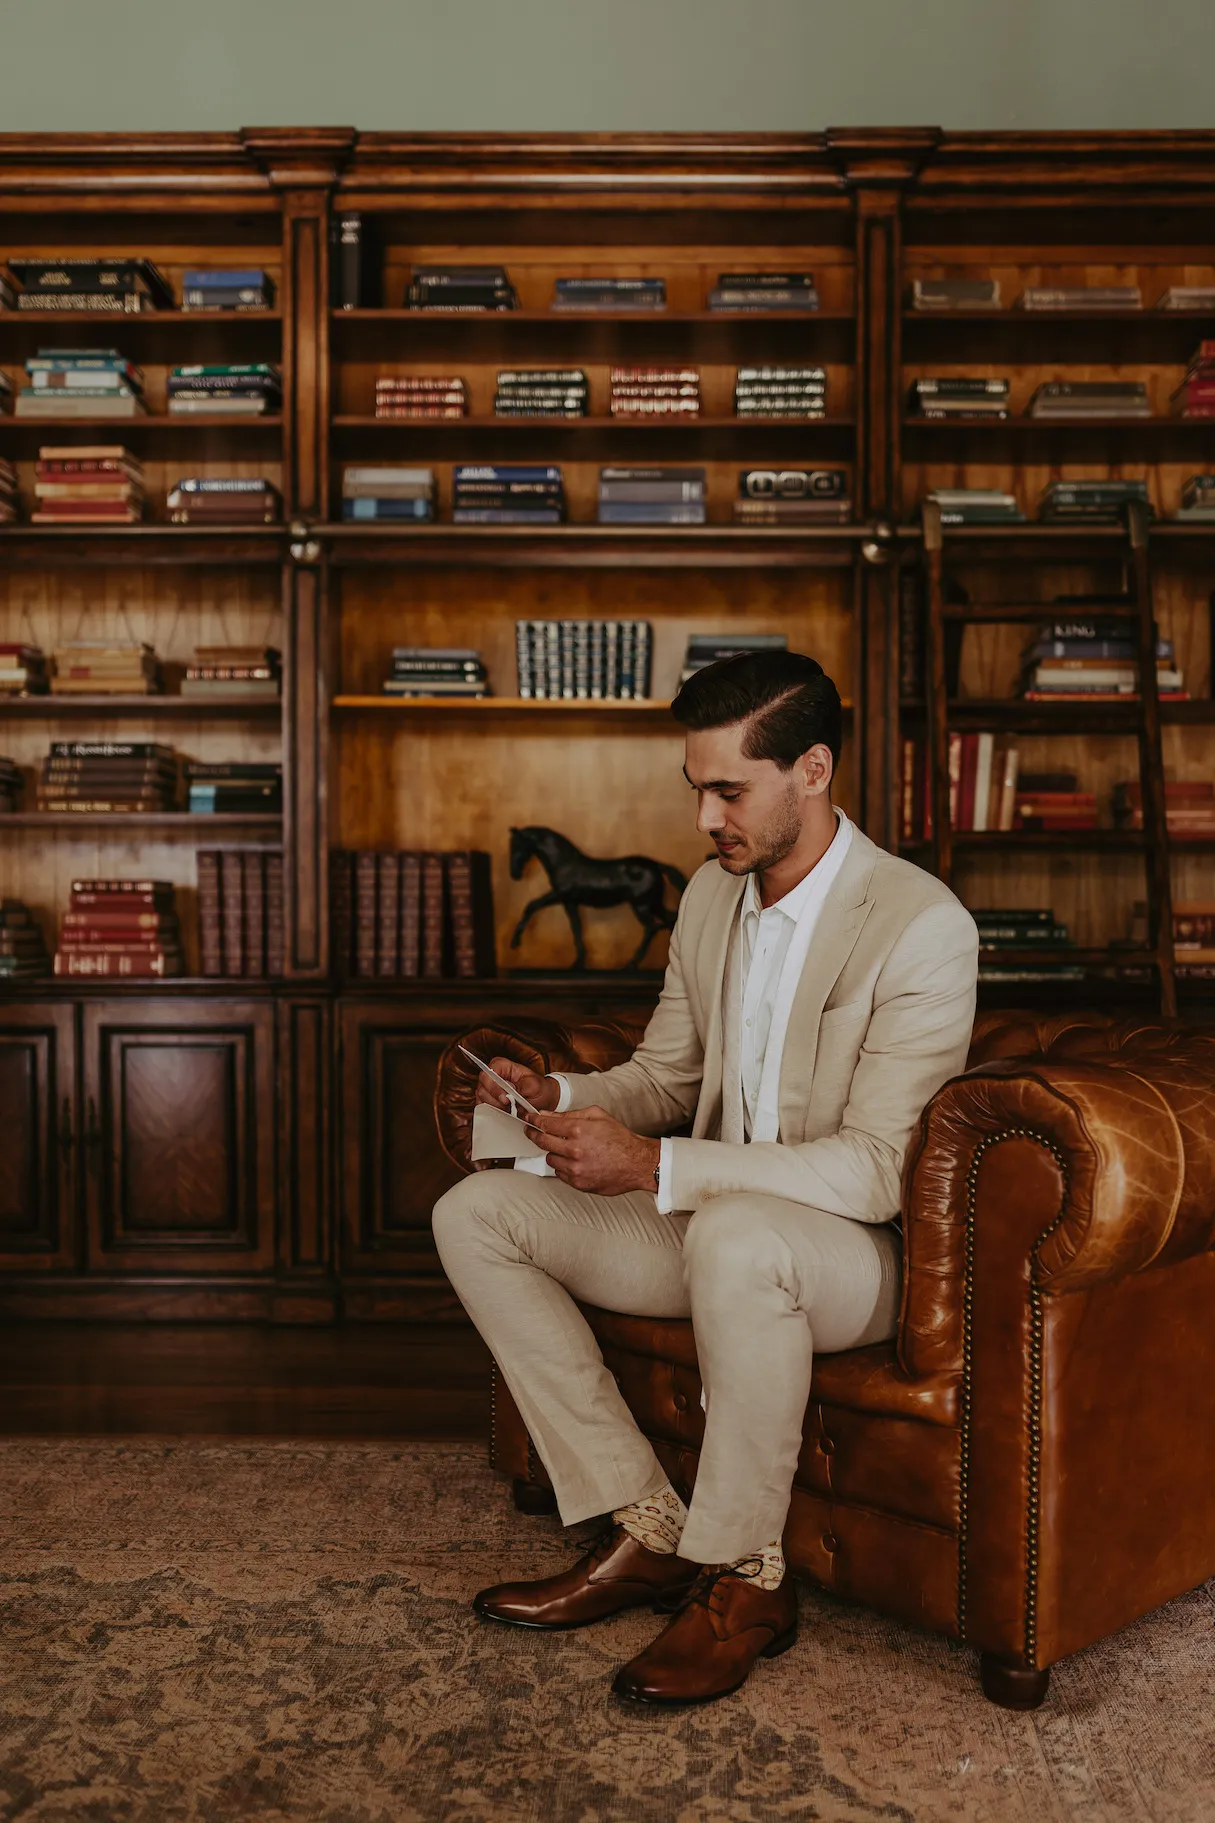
(734, 862)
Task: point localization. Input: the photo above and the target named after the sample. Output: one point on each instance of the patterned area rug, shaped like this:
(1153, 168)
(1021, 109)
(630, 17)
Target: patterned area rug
(192, 1632)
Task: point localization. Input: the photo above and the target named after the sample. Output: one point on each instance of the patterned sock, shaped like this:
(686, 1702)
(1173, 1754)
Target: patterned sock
(765, 1567)
(657, 1522)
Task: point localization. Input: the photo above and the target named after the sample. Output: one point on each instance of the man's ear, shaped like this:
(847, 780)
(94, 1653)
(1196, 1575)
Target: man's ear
(817, 769)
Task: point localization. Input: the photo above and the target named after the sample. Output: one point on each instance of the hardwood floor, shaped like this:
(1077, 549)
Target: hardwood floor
(353, 1381)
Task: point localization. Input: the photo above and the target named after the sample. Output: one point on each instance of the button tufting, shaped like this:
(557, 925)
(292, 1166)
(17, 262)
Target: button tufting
(826, 1447)
(830, 1541)
(681, 1403)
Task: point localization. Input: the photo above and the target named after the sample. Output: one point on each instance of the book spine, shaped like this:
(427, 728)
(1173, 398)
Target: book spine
(523, 658)
(210, 918)
(365, 894)
(411, 915)
(433, 933)
(276, 927)
(254, 934)
(460, 899)
(232, 889)
(388, 913)
(955, 778)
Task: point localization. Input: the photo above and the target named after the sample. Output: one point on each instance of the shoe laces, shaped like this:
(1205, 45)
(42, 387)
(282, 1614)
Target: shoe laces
(708, 1592)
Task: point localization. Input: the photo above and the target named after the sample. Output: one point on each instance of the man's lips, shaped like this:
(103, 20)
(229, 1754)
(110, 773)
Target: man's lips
(724, 845)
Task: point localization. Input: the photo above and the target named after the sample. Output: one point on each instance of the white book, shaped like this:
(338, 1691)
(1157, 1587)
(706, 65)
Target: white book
(983, 761)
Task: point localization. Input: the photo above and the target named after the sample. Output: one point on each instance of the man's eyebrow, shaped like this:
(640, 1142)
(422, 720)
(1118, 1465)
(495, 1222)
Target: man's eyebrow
(715, 784)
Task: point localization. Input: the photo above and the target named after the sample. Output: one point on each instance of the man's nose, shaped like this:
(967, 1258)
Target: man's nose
(710, 816)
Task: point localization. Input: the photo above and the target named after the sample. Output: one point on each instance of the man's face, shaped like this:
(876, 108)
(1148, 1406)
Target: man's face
(753, 811)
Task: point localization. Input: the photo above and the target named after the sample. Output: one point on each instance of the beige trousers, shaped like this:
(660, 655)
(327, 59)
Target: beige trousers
(765, 1282)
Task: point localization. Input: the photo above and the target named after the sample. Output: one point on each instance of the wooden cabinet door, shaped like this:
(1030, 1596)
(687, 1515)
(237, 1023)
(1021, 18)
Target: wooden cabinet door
(39, 1137)
(179, 1133)
(393, 1169)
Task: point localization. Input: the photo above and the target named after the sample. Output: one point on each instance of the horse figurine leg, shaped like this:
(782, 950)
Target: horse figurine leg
(529, 912)
(575, 917)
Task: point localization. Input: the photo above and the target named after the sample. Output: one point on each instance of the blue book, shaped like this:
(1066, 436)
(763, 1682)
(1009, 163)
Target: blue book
(505, 515)
(504, 471)
(205, 279)
(387, 509)
(641, 512)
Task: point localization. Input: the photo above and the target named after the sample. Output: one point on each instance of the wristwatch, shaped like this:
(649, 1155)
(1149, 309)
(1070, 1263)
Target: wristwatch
(658, 1173)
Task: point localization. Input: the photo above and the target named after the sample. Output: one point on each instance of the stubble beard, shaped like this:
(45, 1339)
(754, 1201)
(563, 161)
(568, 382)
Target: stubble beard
(778, 837)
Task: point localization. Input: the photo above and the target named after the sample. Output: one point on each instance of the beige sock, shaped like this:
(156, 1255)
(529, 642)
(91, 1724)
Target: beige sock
(765, 1567)
(657, 1522)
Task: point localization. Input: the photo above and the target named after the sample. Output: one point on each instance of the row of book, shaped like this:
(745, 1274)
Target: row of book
(103, 668)
(1094, 659)
(241, 920)
(1071, 502)
(130, 286)
(406, 914)
(120, 928)
(477, 289)
(634, 392)
(513, 493)
(104, 484)
(972, 399)
(101, 383)
(984, 294)
(593, 660)
(141, 777)
(23, 952)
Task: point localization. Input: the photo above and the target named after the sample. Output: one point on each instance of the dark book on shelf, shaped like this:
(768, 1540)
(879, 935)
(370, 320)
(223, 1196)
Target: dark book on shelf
(388, 914)
(210, 913)
(470, 897)
(434, 918)
(253, 934)
(354, 265)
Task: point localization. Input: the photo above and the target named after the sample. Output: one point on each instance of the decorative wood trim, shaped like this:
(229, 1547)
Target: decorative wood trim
(305, 769)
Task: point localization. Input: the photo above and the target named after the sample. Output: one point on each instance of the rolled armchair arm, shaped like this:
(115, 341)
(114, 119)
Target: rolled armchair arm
(1094, 1167)
(541, 1044)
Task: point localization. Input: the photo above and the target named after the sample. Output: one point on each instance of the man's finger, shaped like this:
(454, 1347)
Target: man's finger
(558, 1144)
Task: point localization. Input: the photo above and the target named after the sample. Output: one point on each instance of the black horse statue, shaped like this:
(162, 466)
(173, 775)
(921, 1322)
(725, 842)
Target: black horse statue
(576, 879)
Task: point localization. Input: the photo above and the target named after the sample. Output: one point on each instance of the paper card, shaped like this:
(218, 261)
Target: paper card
(497, 1134)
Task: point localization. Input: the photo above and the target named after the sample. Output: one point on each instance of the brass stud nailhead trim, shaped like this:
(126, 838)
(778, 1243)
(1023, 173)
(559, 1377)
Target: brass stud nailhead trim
(1033, 1488)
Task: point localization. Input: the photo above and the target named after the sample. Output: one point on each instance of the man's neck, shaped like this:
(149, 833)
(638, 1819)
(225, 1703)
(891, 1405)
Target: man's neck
(774, 882)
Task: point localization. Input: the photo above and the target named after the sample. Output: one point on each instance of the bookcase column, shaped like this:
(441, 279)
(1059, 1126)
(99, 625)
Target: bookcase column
(879, 167)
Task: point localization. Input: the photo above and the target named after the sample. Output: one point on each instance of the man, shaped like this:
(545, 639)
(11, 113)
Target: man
(818, 993)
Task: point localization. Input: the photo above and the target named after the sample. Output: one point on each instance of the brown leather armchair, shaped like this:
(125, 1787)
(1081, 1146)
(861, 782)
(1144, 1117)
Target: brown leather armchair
(1031, 1464)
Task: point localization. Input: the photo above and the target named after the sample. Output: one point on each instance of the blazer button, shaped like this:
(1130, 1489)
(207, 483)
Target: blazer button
(830, 1541)
(826, 1447)
(681, 1403)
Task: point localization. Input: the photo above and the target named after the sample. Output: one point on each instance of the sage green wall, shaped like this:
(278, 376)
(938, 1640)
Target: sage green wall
(511, 65)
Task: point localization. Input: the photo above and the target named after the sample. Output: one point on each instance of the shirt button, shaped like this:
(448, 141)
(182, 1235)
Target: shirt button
(750, 1022)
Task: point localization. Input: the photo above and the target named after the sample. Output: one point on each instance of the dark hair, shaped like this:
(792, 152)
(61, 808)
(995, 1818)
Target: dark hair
(788, 700)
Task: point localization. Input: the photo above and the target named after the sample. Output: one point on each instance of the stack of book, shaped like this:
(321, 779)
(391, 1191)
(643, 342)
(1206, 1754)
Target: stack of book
(1091, 502)
(1069, 400)
(81, 383)
(98, 484)
(1197, 500)
(977, 506)
(101, 667)
(254, 672)
(655, 392)
(593, 660)
(507, 493)
(542, 392)
(707, 648)
(401, 915)
(125, 286)
(1053, 802)
(1195, 397)
(234, 787)
(23, 955)
(955, 294)
(241, 928)
(780, 392)
(959, 396)
(757, 292)
(982, 773)
(437, 671)
(120, 927)
(225, 288)
(388, 493)
(1080, 297)
(1187, 297)
(610, 294)
(1092, 659)
(1189, 807)
(9, 496)
(93, 777)
(651, 496)
(437, 395)
(793, 496)
(224, 500)
(1033, 928)
(229, 389)
(462, 288)
(12, 784)
(1194, 939)
(23, 670)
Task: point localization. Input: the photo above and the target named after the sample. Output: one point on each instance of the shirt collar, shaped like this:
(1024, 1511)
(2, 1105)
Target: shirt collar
(794, 902)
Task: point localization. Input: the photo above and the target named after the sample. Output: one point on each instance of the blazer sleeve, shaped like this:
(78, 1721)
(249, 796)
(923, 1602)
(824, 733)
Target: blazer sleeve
(658, 1088)
(918, 1036)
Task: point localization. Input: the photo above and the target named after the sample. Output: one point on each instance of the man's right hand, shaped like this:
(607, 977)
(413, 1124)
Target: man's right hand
(541, 1091)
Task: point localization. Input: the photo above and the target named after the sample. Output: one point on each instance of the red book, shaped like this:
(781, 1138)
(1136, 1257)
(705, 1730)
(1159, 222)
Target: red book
(111, 966)
(210, 913)
(411, 915)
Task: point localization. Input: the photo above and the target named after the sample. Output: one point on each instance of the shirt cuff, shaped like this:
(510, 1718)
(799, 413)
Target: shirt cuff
(563, 1091)
(665, 1167)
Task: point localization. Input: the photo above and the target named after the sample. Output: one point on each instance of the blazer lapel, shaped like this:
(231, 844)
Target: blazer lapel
(844, 912)
(716, 955)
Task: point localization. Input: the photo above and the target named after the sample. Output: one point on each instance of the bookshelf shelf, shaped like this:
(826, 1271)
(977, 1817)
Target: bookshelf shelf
(590, 546)
(587, 318)
(650, 708)
(42, 545)
(180, 820)
(155, 422)
(47, 321)
(1005, 716)
(686, 426)
(139, 708)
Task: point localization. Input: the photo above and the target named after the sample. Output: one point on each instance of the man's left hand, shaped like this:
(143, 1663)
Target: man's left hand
(591, 1151)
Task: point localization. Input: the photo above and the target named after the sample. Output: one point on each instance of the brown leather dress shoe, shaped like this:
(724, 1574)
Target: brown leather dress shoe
(615, 1574)
(727, 1622)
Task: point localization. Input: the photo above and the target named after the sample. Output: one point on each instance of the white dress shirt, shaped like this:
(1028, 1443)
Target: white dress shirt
(775, 941)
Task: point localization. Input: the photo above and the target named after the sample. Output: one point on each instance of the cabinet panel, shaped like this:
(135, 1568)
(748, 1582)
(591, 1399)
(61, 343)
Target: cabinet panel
(180, 1135)
(38, 1121)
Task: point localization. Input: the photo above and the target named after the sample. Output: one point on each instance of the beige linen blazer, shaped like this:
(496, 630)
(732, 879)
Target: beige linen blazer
(881, 1017)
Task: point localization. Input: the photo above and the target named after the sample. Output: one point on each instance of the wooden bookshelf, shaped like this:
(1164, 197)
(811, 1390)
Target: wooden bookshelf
(307, 1098)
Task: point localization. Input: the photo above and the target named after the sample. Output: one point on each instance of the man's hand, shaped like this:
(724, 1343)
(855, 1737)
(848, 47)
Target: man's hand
(593, 1152)
(541, 1091)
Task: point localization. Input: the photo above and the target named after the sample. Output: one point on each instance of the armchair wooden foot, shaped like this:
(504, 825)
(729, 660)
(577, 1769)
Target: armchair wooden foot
(1012, 1686)
(536, 1502)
